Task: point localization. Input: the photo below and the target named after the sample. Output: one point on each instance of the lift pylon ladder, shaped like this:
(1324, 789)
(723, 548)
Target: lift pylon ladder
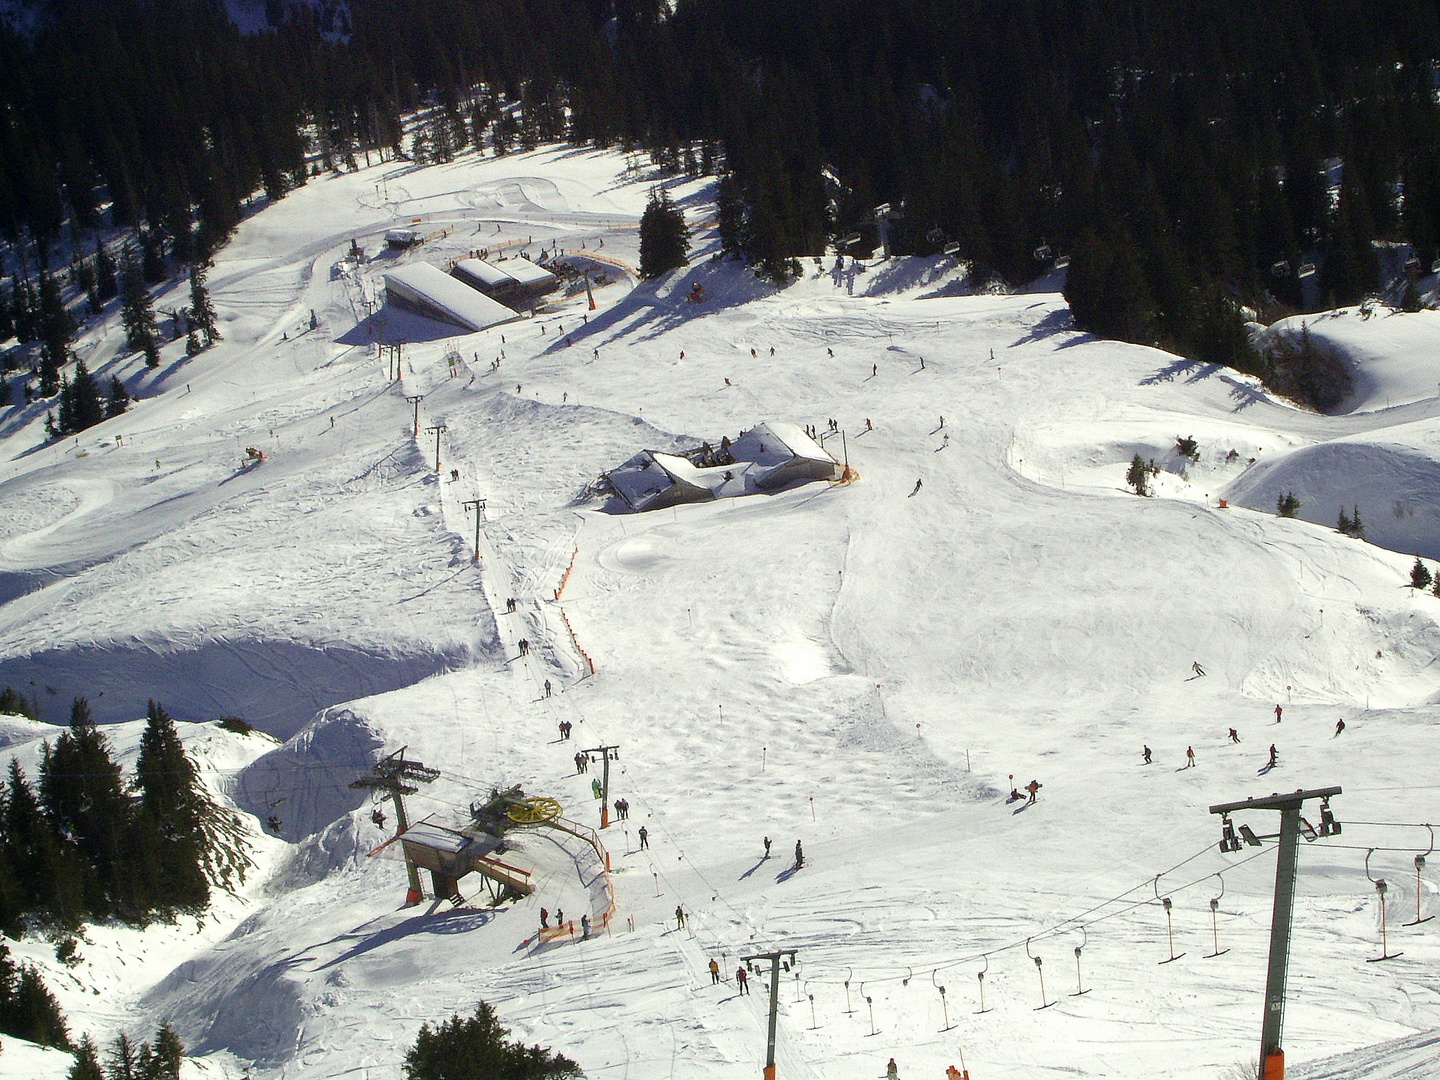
(1272, 1056)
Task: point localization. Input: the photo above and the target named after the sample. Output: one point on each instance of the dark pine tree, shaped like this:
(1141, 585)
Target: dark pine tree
(478, 1048)
(202, 311)
(136, 313)
(27, 1009)
(87, 1062)
(119, 399)
(664, 236)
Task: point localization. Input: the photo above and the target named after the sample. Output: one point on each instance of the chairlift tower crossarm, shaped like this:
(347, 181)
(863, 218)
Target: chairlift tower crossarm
(397, 777)
(774, 959)
(1272, 1056)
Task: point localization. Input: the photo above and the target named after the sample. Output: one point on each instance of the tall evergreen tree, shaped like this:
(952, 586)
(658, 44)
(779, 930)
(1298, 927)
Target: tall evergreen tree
(136, 313)
(57, 328)
(119, 399)
(202, 311)
(87, 1062)
(664, 236)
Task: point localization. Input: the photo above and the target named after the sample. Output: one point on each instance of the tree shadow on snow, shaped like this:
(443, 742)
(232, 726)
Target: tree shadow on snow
(1057, 322)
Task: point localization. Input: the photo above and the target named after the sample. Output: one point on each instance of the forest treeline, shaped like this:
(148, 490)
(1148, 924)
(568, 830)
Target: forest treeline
(1187, 159)
(88, 843)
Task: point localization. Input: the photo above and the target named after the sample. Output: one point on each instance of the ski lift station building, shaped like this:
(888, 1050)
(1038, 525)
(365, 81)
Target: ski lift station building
(516, 281)
(768, 457)
(429, 291)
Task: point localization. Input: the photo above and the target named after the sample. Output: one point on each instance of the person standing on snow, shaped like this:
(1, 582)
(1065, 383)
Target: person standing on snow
(1189, 757)
(767, 847)
(1234, 735)
(544, 918)
(1145, 752)
(1274, 755)
(799, 855)
(680, 920)
(891, 1070)
(1033, 788)
(742, 979)
(714, 972)
(1278, 711)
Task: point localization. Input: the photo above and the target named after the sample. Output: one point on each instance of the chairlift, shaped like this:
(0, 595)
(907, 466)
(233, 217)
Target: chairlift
(1419, 867)
(1215, 922)
(1062, 262)
(1040, 971)
(1280, 269)
(1079, 986)
(1308, 831)
(935, 235)
(1435, 267)
(952, 248)
(1306, 270)
(1169, 920)
(1380, 890)
(1043, 253)
(1248, 835)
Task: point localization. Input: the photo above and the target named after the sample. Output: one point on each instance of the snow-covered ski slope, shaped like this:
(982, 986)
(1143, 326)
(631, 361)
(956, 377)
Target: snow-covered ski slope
(860, 667)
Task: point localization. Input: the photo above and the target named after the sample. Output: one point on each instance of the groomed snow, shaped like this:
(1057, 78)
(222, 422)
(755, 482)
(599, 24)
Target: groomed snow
(861, 667)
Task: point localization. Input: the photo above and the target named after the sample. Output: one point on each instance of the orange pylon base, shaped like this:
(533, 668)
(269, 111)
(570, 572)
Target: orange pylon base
(1275, 1066)
(412, 897)
(769, 1072)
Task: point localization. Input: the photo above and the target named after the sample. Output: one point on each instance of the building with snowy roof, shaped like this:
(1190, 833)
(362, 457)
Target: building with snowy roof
(426, 290)
(768, 457)
(516, 281)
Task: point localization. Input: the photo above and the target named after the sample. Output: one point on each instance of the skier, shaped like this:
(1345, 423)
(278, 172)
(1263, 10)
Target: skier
(1189, 757)
(752, 354)
(544, 918)
(1274, 755)
(547, 687)
(680, 919)
(1014, 792)
(378, 817)
(892, 1071)
(767, 847)
(714, 972)
(869, 426)
(559, 918)
(1145, 752)
(916, 490)
(595, 787)
(1033, 788)
(644, 838)
(524, 647)
(619, 810)
(830, 353)
(799, 855)
(1234, 735)
(742, 979)
(874, 370)
(579, 763)
(1339, 727)
(1278, 711)
(1195, 667)
(584, 927)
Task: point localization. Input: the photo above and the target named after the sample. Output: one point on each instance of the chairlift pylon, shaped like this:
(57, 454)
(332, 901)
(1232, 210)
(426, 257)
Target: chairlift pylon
(1419, 884)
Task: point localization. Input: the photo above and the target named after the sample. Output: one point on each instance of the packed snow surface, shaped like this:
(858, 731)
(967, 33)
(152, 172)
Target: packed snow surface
(868, 668)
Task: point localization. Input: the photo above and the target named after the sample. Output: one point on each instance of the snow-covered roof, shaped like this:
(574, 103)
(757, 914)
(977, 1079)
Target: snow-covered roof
(775, 443)
(526, 272)
(484, 272)
(437, 837)
(430, 288)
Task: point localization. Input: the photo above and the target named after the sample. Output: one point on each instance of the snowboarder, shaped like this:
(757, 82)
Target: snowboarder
(1339, 727)
(799, 855)
(1145, 752)
(544, 918)
(1278, 711)
(644, 838)
(1274, 755)
(1195, 667)
(1234, 735)
(714, 972)
(1189, 757)
(767, 847)
(1033, 788)
(742, 979)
